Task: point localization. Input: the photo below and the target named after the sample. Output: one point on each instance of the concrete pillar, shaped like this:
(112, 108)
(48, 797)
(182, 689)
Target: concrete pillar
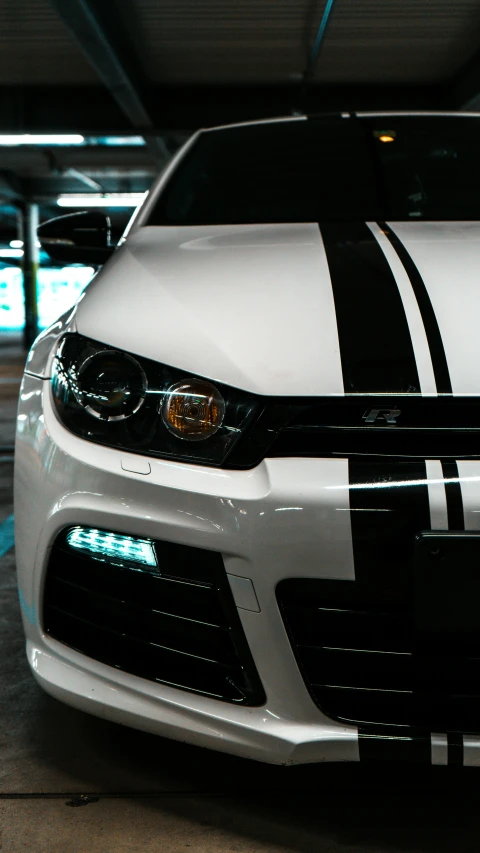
(20, 224)
(30, 268)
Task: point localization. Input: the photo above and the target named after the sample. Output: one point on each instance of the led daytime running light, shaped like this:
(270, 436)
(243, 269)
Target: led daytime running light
(105, 546)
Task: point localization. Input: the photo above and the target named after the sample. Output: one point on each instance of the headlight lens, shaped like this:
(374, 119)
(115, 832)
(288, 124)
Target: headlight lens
(116, 399)
(111, 385)
(193, 409)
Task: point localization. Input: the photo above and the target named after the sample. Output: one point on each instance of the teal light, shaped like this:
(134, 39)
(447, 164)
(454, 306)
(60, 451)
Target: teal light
(115, 140)
(112, 546)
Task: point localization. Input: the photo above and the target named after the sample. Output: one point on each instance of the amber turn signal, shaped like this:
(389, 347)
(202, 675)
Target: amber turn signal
(193, 409)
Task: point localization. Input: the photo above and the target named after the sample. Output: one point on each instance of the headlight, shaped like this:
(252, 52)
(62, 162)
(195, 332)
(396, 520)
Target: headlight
(193, 409)
(110, 385)
(117, 399)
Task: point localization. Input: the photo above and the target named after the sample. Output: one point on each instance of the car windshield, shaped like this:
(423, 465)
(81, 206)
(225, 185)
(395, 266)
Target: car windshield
(334, 169)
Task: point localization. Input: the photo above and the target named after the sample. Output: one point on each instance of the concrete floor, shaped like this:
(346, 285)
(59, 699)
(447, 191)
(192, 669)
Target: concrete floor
(70, 783)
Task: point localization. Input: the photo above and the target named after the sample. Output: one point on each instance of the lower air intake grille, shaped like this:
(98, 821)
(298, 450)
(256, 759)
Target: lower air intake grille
(364, 662)
(178, 627)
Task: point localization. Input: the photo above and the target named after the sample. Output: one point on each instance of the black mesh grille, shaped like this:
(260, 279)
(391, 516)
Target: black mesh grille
(364, 661)
(180, 627)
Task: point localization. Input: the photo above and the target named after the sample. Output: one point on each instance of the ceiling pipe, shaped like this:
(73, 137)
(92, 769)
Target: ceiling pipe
(102, 49)
(319, 39)
(83, 178)
(56, 169)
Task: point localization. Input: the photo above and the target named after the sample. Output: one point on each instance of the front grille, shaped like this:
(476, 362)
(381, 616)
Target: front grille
(180, 627)
(364, 661)
(425, 428)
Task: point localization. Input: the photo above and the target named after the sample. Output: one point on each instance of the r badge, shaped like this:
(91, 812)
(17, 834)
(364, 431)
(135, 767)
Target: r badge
(390, 416)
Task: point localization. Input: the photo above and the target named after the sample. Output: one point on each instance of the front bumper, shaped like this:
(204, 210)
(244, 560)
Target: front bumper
(265, 523)
(286, 518)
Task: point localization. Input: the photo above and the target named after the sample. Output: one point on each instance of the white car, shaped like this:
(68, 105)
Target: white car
(247, 478)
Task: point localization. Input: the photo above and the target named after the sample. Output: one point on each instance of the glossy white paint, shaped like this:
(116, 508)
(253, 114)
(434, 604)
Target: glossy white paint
(412, 312)
(250, 306)
(469, 475)
(256, 733)
(243, 593)
(471, 751)
(40, 356)
(449, 113)
(436, 495)
(447, 255)
(439, 749)
(135, 464)
(287, 517)
(278, 520)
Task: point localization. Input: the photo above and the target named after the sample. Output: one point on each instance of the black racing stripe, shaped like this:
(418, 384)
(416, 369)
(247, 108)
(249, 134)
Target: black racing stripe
(455, 748)
(385, 519)
(385, 743)
(453, 491)
(375, 344)
(386, 514)
(432, 331)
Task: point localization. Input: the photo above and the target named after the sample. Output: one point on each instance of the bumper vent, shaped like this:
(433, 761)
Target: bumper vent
(180, 627)
(363, 661)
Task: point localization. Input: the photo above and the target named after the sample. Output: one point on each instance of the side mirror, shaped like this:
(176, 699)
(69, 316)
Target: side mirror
(77, 238)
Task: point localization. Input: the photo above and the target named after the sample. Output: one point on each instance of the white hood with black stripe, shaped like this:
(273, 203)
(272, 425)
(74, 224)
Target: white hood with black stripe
(298, 309)
(447, 257)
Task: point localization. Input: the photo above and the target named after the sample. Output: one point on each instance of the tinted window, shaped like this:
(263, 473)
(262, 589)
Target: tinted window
(432, 168)
(287, 172)
(327, 169)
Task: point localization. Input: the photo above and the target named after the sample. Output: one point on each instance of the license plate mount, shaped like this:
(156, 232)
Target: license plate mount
(447, 581)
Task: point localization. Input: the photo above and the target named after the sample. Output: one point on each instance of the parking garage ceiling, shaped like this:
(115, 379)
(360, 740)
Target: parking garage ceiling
(246, 41)
(161, 69)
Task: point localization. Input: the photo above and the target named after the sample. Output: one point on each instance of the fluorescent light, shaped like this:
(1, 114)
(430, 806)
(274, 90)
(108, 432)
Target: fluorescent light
(42, 139)
(18, 244)
(111, 546)
(115, 140)
(11, 253)
(98, 200)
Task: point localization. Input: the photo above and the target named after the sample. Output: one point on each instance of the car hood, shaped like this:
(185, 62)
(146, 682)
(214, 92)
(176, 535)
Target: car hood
(298, 309)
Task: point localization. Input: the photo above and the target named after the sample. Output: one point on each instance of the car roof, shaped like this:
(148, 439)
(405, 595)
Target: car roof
(349, 114)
